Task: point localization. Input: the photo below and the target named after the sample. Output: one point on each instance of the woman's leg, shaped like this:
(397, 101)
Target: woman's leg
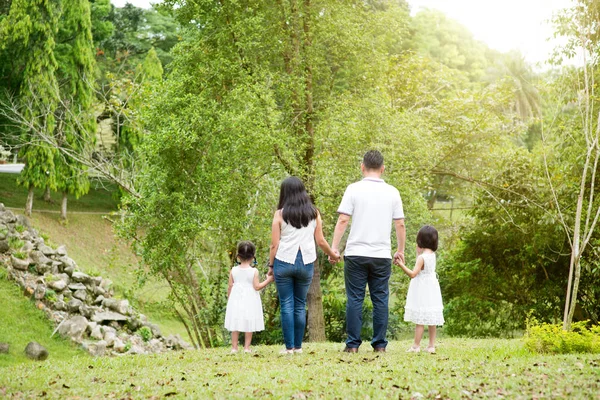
(234, 340)
(419, 329)
(302, 281)
(247, 340)
(432, 330)
(284, 282)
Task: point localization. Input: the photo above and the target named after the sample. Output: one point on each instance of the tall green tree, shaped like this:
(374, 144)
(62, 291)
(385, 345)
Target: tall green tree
(29, 30)
(77, 128)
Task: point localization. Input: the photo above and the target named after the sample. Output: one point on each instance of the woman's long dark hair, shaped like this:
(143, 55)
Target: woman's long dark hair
(298, 209)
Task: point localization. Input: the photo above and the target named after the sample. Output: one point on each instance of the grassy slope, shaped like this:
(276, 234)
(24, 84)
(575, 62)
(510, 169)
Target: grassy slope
(91, 243)
(21, 323)
(461, 369)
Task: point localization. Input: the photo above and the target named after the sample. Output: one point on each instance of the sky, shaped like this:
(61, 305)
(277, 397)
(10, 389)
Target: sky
(502, 24)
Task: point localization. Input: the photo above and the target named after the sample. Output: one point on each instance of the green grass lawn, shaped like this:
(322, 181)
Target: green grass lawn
(21, 323)
(461, 369)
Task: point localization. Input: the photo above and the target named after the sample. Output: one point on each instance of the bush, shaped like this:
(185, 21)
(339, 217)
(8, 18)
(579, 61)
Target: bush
(15, 243)
(551, 338)
(19, 228)
(145, 333)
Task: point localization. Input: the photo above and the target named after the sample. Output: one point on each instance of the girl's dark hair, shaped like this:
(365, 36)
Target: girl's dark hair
(298, 209)
(427, 238)
(246, 250)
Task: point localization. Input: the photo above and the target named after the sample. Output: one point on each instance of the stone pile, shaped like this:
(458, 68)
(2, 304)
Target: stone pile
(81, 306)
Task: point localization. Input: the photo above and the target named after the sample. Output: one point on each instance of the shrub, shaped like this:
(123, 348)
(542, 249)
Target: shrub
(50, 295)
(15, 243)
(551, 338)
(19, 228)
(20, 255)
(145, 333)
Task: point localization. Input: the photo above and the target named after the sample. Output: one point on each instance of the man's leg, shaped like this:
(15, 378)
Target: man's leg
(380, 270)
(355, 276)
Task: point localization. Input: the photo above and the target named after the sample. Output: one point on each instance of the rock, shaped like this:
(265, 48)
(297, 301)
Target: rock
(4, 348)
(19, 264)
(58, 285)
(97, 280)
(123, 307)
(77, 286)
(110, 338)
(39, 258)
(47, 250)
(86, 311)
(106, 284)
(134, 324)
(136, 349)
(40, 292)
(99, 291)
(156, 346)
(7, 217)
(99, 300)
(73, 305)
(68, 262)
(74, 327)
(36, 351)
(60, 305)
(97, 349)
(80, 294)
(68, 270)
(81, 277)
(23, 220)
(4, 247)
(118, 345)
(61, 250)
(110, 303)
(154, 328)
(27, 247)
(108, 316)
(175, 342)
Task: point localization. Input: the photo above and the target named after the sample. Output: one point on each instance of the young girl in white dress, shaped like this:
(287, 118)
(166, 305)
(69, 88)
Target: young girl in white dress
(244, 309)
(424, 299)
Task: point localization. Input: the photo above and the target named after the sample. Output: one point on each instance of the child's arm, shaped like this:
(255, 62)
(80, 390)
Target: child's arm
(418, 267)
(230, 284)
(260, 285)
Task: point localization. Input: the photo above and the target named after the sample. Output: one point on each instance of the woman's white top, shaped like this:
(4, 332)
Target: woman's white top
(294, 239)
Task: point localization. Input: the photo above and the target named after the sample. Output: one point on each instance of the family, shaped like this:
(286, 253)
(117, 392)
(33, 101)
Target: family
(370, 207)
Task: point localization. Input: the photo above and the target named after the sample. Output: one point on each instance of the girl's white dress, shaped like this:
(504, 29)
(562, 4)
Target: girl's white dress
(244, 309)
(424, 299)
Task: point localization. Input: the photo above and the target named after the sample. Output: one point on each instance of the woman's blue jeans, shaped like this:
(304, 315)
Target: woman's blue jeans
(293, 281)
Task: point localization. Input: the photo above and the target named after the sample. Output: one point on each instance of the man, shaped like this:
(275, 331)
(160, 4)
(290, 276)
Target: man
(373, 205)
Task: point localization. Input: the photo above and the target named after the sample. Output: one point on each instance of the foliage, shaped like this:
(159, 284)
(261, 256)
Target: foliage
(15, 243)
(19, 228)
(553, 339)
(145, 333)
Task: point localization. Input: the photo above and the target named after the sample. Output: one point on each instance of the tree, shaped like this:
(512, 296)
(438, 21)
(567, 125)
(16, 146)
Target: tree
(579, 219)
(76, 76)
(30, 29)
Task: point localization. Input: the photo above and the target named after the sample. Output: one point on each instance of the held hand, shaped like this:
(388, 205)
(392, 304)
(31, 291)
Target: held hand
(336, 259)
(270, 272)
(398, 258)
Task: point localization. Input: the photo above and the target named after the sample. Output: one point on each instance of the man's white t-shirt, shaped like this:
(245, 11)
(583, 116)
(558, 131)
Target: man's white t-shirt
(372, 204)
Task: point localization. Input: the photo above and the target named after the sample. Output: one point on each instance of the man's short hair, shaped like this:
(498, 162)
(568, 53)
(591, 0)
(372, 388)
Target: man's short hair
(373, 159)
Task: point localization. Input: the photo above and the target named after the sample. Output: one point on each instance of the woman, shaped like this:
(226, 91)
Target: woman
(296, 225)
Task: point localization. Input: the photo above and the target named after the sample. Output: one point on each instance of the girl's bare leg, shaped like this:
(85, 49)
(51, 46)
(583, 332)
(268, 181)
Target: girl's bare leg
(247, 340)
(235, 335)
(419, 329)
(432, 330)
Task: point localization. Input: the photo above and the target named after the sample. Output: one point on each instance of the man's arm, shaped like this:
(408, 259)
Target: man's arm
(340, 228)
(400, 239)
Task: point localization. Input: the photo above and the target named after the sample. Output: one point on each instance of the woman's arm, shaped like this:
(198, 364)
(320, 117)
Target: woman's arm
(275, 238)
(321, 242)
(259, 285)
(230, 284)
(418, 267)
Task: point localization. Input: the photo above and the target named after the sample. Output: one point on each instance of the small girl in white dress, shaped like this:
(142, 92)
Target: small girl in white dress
(424, 299)
(244, 309)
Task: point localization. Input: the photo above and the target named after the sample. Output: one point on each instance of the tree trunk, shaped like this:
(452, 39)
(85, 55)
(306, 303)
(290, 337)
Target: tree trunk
(29, 203)
(63, 207)
(316, 318)
(47, 197)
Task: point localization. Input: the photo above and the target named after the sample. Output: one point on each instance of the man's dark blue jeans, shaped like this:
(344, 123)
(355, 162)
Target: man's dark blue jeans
(358, 272)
